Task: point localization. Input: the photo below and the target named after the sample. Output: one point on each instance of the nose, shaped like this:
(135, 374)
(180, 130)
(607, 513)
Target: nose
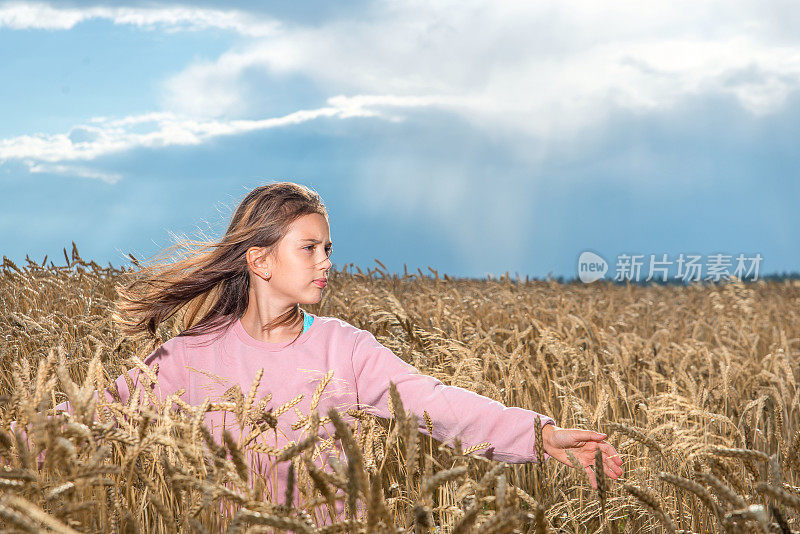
(326, 263)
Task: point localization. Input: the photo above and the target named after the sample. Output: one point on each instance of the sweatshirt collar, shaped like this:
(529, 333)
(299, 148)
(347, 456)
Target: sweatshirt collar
(247, 339)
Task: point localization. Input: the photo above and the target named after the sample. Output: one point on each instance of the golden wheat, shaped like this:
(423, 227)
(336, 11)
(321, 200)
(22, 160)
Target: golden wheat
(691, 376)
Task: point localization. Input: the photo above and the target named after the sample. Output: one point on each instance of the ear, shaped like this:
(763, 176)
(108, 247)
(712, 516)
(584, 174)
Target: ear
(258, 260)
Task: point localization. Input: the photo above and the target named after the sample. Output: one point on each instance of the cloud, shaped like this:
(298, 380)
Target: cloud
(536, 73)
(73, 170)
(103, 135)
(44, 16)
(546, 69)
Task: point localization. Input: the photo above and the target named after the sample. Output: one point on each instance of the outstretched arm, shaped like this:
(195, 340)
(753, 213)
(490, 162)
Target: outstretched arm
(456, 412)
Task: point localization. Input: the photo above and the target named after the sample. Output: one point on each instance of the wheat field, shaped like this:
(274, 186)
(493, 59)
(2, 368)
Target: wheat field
(695, 386)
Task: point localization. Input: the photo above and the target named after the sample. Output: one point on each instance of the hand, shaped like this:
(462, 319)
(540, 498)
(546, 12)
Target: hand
(583, 444)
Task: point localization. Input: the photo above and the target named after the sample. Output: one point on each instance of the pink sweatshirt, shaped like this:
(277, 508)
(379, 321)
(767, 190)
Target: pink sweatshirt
(362, 369)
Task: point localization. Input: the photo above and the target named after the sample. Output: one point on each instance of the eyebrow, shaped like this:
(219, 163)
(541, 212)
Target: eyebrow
(311, 240)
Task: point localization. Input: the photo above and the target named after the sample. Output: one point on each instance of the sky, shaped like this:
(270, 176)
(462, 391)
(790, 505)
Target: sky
(471, 137)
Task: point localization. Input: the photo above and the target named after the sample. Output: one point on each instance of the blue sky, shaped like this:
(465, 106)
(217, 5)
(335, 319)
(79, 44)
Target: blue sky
(472, 137)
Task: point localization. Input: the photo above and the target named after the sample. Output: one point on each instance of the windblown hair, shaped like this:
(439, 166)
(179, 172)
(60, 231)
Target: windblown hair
(209, 281)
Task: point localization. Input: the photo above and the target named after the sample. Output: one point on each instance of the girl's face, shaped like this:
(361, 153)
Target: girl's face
(301, 261)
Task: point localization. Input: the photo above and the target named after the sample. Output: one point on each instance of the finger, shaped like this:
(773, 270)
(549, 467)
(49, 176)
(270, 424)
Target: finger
(611, 469)
(610, 452)
(611, 461)
(617, 468)
(587, 435)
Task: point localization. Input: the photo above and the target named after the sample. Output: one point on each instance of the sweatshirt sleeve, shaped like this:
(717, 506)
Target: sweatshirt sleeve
(455, 412)
(172, 375)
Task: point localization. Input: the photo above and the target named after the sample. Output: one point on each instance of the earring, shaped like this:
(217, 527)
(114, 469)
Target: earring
(266, 274)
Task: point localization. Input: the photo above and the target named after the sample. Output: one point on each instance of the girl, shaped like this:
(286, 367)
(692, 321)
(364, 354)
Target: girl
(274, 256)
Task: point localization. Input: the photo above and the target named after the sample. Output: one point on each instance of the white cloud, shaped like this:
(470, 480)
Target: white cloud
(73, 170)
(545, 68)
(102, 135)
(44, 16)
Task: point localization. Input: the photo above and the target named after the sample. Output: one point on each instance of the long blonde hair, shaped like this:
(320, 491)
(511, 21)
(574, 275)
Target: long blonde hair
(210, 281)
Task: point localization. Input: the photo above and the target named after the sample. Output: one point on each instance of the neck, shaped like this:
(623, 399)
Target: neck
(254, 317)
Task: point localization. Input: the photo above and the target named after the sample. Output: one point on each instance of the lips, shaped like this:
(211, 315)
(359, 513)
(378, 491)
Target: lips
(321, 282)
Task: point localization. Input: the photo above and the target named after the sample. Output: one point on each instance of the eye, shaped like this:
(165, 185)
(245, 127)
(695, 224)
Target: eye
(328, 249)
